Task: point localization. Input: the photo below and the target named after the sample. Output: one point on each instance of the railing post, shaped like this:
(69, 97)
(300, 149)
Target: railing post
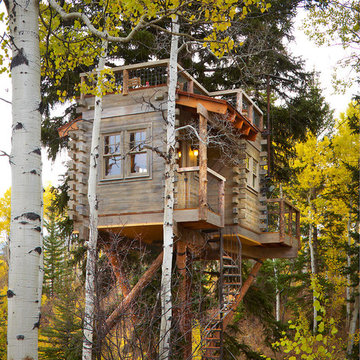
(221, 196)
(282, 220)
(82, 95)
(290, 220)
(298, 225)
(125, 89)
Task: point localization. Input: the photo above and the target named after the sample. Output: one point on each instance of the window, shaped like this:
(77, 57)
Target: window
(252, 172)
(137, 153)
(112, 155)
(124, 154)
(255, 174)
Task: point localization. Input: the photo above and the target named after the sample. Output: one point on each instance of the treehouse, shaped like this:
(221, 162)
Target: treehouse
(221, 207)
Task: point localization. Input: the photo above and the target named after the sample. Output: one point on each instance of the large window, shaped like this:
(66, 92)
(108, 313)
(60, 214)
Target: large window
(125, 155)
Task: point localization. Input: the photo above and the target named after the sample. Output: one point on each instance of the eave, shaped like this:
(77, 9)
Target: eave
(222, 107)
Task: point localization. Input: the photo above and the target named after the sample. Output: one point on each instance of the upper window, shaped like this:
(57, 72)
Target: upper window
(113, 155)
(125, 154)
(252, 172)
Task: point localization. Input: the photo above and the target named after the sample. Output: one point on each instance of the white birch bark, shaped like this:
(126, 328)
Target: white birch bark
(93, 217)
(24, 292)
(312, 263)
(168, 231)
(348, 280)
(352, 327)
(277, 292)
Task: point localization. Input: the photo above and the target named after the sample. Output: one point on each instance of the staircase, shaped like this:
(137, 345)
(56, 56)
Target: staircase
(230, 283)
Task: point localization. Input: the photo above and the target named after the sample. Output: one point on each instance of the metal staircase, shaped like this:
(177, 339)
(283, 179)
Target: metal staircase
(230, 283)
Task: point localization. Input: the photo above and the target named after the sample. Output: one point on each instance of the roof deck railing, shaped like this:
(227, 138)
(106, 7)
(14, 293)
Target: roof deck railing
(155, 73)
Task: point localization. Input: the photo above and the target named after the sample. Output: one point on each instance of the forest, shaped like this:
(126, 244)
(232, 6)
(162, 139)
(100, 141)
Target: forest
(73, 286)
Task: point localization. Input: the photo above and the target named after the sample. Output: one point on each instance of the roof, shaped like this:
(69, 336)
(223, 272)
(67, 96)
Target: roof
(219, 106)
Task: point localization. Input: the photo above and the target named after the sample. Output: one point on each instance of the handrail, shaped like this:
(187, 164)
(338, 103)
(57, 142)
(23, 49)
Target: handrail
(197, 168)
(135, 66)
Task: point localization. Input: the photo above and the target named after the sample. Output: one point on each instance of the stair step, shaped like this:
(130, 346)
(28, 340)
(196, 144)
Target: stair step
(232, 275)
(211, 357)
(232, 284)
(230, 266)
(213, 339)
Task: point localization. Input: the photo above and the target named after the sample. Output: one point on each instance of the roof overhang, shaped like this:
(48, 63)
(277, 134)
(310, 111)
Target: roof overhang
(222, 107)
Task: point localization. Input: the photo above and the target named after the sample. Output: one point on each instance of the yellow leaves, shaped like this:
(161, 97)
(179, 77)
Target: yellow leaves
(5, 213)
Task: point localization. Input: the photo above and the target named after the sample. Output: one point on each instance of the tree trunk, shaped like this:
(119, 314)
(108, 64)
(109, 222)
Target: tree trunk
(168, 231)
(312, 264)
(352, 327)
(93, 217)
(25, 277)
(348, 280)
(277, 292)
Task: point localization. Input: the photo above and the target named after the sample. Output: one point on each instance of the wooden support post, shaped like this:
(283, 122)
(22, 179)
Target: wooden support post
(290, 221)
(136, 290)
(222, 202)
(82, 95)
(203, 116)
(245, 287)
(118, 271)
(125, 89)
(190, 88)
(298, 226)
(282, 220)
(184, 297)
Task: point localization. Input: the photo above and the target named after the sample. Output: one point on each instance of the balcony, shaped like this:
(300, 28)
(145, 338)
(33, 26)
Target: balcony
(199, 204)
(282, 223)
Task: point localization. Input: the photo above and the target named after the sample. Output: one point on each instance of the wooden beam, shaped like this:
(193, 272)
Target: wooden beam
(134, 293)
(221, 195)
(211, 106)
(125, 89)
(184, 298)
(118, 271)
(245, 287)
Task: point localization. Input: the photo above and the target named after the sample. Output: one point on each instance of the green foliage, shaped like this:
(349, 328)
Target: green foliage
(325, 344)
(61, 333)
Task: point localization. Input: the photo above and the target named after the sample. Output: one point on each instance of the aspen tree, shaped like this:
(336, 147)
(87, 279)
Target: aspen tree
(168, 230)
(93, 216)
(25, 278)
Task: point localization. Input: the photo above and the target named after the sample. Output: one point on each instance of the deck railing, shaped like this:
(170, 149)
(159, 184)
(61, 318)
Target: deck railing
(188, 193)
(149, 74)
(283, 217)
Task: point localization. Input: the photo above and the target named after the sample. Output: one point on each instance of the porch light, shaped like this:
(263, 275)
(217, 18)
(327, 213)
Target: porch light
(195, 151)
(179, 154)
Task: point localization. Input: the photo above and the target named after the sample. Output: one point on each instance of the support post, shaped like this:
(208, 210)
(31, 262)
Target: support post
(185, 321)
(222, 202)
(203, 115)
(125, 89)
(282, 220)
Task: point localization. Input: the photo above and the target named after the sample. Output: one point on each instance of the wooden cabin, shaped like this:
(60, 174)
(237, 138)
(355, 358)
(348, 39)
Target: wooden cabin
(131, 177)
(221, 207)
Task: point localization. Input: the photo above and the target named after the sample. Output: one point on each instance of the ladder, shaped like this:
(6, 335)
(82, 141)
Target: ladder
(230, 283)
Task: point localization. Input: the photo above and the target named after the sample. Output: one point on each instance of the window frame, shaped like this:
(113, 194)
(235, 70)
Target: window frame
(124, 133)
(252, 173)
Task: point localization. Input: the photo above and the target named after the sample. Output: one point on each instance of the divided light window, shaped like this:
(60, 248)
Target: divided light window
(113, 155)
(125, 155)
(252, 172)
(137, 152)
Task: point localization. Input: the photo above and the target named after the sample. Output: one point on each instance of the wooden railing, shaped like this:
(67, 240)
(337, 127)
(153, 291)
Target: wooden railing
(243, 103)
(283, 217)
(149, 74)
(189, 195)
